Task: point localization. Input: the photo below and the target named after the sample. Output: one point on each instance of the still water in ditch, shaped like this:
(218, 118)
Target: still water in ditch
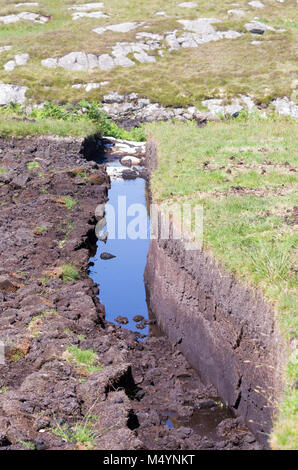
(121, 279)
(123, 293)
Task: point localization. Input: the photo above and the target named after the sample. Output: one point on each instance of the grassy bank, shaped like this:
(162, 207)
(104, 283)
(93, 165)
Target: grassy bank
(84, 118)
(216, 69)
(243, 173)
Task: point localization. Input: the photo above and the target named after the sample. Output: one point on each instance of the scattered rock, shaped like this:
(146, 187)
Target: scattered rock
(256, 27)
(87, 86)
(122, 320)
(256, 4)
(106, 256)
(188, 5)
(117, 28)
(286, 107)
(19, 59)
(142, 325)
(7, 285)
(87, 6)
(14, 93)
(24, 15)
(217, 106)
(83, 14)
(236, 13)
(138, 318)
(183, 432)
(130, 160)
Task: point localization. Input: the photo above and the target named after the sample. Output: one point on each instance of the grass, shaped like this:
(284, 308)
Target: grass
(70, 273)
(32, 165)
(183, 77)
(28, 445)
(243, 174)
(40, 229)
(84, 118)
(17, 355)
(37, 321)
(83, 359)
(80, 433)
(69, 202)
(3, 171)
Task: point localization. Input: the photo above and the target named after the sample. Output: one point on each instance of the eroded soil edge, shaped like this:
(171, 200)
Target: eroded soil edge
(226, 331)
(46, 223)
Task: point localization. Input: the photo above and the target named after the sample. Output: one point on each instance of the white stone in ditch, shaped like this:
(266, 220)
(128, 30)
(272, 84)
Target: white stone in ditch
(130, 160)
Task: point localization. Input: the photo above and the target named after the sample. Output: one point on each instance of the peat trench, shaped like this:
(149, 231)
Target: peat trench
(193, 413)
(145, 395)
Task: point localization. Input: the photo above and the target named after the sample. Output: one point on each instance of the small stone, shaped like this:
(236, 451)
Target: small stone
(113, 98)
(106, 256)
(106, 62)
(256, 4)
(21, 59)
(130, 160)
(13, 93)
(138, 318)
(236, 13)
(142, 325)
(6, 285)
(188, 5)
(122, 320)
(50, 63)
(39, 444)
(255, 27)
(183, 432)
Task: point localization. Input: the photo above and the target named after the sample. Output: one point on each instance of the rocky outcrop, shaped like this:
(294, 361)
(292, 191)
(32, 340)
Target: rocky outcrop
(12, 93)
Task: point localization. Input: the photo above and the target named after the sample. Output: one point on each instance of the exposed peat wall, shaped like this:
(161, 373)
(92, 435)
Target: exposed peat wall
(226, 330)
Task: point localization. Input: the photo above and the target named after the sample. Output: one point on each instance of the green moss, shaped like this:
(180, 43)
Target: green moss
(28, 445)
(80, 433)
(70, 203)
(32, 165)
(70, 273)
(85, 359)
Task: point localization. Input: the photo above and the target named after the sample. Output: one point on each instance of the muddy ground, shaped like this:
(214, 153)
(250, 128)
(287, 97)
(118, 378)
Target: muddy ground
(47, 221)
